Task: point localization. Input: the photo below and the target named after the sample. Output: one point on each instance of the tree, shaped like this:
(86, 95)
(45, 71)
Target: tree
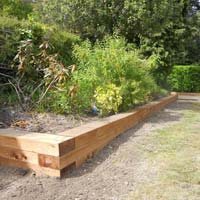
(17, 8)
(168, 30)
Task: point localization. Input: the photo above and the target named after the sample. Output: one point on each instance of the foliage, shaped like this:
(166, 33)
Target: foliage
(16, 8)
(113, 63)
(108, 98)
(185, 78)
(109, 75)
(192, 41)
(94, 19)
(62, 43)
(153, 36)
(169, 30)
(37, 73)
(12, 31)
(41, 54)
(9, 37)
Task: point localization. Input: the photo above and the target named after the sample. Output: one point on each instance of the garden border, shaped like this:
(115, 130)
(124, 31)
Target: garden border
(188, 94)
(53, 154)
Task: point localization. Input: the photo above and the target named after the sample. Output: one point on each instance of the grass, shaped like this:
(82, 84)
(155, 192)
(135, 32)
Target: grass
(174, 160)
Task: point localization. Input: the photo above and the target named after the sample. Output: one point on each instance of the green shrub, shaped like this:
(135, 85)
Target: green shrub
(16, 8)
(56, 101)
(110, 62)
(21, 45)
(185, 78)
(9, 37)
(62, 43)
(12, 31)
(109, 75)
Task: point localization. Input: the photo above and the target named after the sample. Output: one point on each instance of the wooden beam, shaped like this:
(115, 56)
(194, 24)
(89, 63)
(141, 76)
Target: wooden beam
(26, 165)
(188, 93)
(34, 142)
(53, 154)
(19, 155)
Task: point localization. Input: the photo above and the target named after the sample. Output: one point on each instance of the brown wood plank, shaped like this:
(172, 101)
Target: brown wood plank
(49, 161)
(51, 154)
(119, 122)
(30, 157)
(105, 133)
(26, 165)
(17, 154)
(188, 93)
(80, 155)
(35, 142)
(66, 146)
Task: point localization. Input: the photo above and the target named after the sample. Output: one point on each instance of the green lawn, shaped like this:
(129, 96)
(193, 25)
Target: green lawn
(175, 161)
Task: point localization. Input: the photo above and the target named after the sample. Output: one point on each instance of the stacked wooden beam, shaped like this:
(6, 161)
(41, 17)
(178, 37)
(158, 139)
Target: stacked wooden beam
(52, 154)
(188, 94)
(33, 150)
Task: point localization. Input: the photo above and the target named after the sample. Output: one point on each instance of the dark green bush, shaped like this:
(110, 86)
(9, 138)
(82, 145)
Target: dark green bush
(24, 39)
(62, 43)
(185, 78)
(9, 37)
(12, 31)
(17, 8)
(168, 29)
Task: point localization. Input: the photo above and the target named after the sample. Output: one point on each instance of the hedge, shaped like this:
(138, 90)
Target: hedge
(185, 78)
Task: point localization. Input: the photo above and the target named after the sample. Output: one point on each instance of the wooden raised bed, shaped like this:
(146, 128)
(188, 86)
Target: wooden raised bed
(52, 154)
(188, 94)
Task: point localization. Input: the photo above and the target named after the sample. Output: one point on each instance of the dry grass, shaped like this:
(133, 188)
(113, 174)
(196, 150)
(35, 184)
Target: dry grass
(175, 161)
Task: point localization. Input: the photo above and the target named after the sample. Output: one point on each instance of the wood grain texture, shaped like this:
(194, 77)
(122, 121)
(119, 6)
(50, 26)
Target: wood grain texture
(26, 165)
(18, 154)
(34, 142)
(188, 94)
(66, 146)
(41, 160)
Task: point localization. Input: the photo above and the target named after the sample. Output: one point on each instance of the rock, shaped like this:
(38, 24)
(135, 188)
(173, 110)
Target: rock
(5, 117)
(2, 125)
(23, 172)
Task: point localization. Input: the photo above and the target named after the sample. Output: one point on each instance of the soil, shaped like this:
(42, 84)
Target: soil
(110, 175)
(50, 123)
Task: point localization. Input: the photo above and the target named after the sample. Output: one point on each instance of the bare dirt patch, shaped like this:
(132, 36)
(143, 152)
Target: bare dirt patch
(115, 173)
(50, 123)
(40, 122)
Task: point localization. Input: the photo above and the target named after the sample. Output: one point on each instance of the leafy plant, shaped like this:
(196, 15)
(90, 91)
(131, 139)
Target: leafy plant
(37, 73)
(108, 98)
(114, 62)
(169, 29)
(16, 8)
(185, 78)
(13, 31)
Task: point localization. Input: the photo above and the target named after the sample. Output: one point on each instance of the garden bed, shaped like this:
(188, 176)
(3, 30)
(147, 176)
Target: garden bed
(188, 93)
(52, 154)
(51, 123)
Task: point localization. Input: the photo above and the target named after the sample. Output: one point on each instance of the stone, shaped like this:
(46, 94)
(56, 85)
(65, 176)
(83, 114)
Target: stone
(5, 118)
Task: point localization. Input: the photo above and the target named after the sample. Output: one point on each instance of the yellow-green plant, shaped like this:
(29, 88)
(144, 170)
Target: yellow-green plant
(108, 98)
